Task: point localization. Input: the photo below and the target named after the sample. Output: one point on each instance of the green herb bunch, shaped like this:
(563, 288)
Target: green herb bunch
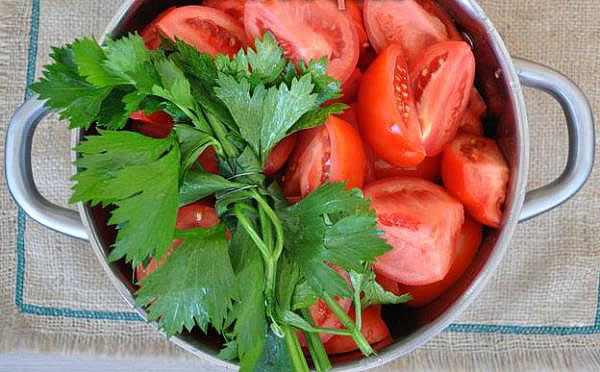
(255, 288)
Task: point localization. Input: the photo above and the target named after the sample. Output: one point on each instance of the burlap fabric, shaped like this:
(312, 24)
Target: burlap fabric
(539, 311)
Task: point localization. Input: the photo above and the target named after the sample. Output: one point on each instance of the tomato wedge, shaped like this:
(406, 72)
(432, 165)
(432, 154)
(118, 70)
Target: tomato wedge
(150, 33)
(350, 87)
(307, 30)
(155, 125)
(330, 153)
(387, 113)
(403, 22)
(442, 80)
(208, 160)
(429, 169)
(189, 216)
(470, 124)
(467, 244)
(477, 105)
(280, 154)
(373, 328)
(207, 29)
(476, 173)
(420, 221)
(234, 8)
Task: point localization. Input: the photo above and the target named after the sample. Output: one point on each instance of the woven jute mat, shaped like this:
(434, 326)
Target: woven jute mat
(540, 311)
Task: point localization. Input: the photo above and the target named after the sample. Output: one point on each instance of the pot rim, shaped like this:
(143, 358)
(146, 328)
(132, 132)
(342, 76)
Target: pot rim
(424, 334)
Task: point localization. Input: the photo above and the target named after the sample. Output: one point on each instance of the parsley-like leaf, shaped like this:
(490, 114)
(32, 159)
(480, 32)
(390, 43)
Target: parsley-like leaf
(198, 184)
(195, 286)
(372, 292)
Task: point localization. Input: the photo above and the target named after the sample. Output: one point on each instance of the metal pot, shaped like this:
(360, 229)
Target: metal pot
(500, 78)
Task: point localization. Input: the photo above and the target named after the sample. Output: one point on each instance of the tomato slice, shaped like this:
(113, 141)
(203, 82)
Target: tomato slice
(403, 22)
(307, 30)
(234, 8)
(470, 124)
(280, 154)
(420, 221)
(429, 169)
(467, 244)
(150, 33)
(208, 160)
(433, 8)
(388, 284)
(476, 173)
(155, 125)
(387, 113)
(208, 30)
(477, 105)
(442, 80)
(330, 153)
(373, 328)
(189, 216)
(350, 87)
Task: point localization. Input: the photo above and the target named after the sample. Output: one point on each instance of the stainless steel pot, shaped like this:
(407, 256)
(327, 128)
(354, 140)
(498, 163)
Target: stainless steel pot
(500, 78)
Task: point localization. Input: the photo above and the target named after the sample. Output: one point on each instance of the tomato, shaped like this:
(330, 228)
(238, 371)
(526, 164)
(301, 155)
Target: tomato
(330, 153)
(477, 105)
(429, 169)
(388, 284)
(442, 80)
(208, 160)
(208, 30)
(350, 116)
(156, 125)
(403, 22)
(373, 328)
(350, 87)
(469, 123)
(189, 216)
(387, 113)
(433, 8)
(234, 8)
(150, 33)
(307, 30)
(420, 221)
(280, 154)
(355, 12)
(467, 244)
(476, 173)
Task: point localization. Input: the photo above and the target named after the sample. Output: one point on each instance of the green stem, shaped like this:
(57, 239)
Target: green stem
(221, 133)
(294, 350)
(237, 210)
(276, 223)
(267, 228)
(315, 345)
(357, 335)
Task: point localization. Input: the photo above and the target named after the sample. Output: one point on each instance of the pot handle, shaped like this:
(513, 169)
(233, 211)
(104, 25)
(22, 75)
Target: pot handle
(580, 124)
(19, 175)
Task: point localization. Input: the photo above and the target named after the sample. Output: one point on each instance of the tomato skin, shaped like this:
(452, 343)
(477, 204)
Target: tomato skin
(208, 160)
(350, 87)
(192, 215)
(467, 244)
(429, 169)
(234, 8)
(330, 153)
(433, 8)
(477, 105)
(207, 29)
(476, 173)
(304, 30)
(470, 124)
(373, 328)
(387, 112)
(420, 220)
(444, 73)
(155, 125)
(150, 33)
(280, 154)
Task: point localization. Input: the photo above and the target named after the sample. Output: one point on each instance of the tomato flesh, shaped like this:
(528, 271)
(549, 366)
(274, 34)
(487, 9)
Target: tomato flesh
(373, 328)
(420, 221)
(307, 30)
(442, 79)
(429, 169)
(477, 105)
(476, 173)
(470, 124)
(207, 29)
(150, 33)
(330, 153)
(234, 8)
(387, 113)
(280, 154)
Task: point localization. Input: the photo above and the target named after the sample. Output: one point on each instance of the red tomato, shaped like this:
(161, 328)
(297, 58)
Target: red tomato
(350, 116)
(433, 8)
(208, 160)
(330, 153)
(420, 221)
(208, 30)
(189, 216)
(155, 125)
(442, 80)
(467, 243)
(234, 8)
(403, 22)
(280, 154)
(150, 33)
(388, 284)
(307, 30)
(373, 328)
(350, 87)
(355, 12)
(429, 169)
(475, 172)
(387, 113)
(476, 104)
(470, 124)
